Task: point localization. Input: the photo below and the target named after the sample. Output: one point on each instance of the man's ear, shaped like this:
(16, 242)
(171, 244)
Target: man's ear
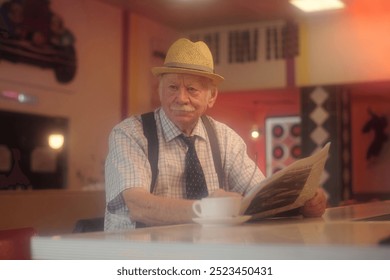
(213, 97)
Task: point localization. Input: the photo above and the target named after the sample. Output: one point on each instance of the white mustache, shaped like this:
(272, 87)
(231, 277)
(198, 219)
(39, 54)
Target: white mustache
(185, 108)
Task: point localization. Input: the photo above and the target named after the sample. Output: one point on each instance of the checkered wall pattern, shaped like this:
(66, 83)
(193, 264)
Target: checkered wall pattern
(322, 122)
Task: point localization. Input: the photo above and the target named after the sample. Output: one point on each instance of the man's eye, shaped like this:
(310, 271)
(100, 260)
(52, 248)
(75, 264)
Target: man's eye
(192, 90)
(173, 87)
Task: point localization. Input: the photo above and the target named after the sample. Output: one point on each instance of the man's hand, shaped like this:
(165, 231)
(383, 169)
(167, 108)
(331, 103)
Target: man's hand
(315, 207)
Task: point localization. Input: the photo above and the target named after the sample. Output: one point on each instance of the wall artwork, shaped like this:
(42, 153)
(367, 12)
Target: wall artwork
(376, 125)
(283, 142)
(371, 154)
(31, 33)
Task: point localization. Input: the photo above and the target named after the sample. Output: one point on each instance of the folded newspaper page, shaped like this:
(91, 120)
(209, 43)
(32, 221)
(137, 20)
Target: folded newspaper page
(287, 189)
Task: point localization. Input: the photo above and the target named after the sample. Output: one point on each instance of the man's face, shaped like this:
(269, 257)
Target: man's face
(185, 98)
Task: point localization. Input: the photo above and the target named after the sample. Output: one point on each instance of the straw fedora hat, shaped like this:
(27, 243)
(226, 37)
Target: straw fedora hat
(186, 57)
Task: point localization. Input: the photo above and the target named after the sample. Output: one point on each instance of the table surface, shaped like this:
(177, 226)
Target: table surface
(348, 232)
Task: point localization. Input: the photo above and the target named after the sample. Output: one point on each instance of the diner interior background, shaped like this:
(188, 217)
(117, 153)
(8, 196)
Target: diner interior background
(300, 80)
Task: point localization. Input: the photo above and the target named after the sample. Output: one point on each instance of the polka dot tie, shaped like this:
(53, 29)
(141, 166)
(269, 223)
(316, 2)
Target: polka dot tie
(196, 187)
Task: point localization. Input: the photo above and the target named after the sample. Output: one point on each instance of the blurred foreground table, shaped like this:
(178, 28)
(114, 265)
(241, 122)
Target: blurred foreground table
(348, 232)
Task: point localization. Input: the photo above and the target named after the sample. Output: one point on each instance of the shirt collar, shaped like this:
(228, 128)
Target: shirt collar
(171, 131)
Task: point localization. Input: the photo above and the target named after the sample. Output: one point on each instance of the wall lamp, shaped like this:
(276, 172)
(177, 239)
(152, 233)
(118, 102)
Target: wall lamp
(255, 132)
(56, 141)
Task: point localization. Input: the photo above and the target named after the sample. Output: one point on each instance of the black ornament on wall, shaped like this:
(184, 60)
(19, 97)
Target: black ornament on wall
(31, 33)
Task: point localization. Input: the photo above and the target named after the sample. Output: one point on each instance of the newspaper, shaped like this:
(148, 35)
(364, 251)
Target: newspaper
(287, 189)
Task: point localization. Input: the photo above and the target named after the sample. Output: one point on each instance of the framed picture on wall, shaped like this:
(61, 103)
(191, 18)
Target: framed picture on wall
(283, 142)
(371, 151)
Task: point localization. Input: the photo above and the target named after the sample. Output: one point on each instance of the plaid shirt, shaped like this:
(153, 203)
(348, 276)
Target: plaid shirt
(127, 164)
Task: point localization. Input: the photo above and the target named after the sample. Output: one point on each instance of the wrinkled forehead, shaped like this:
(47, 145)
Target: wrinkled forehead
(186, 79)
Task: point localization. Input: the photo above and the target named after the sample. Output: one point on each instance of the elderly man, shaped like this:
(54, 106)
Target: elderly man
(137, 193)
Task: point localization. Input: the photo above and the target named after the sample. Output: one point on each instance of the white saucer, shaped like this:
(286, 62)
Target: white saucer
(221, 221)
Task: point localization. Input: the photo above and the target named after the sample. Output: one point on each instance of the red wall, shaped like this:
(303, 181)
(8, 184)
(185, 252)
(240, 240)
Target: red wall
(242, 110)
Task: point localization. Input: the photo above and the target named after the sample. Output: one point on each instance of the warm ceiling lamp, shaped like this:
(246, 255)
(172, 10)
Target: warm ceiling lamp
(317, 5)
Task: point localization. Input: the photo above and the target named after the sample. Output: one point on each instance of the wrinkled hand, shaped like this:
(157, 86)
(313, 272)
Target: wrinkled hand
(221, 192)
(315, 207)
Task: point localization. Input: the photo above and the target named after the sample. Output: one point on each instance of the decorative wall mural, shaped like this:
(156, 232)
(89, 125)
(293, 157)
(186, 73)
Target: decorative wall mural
(252, 43)
(370, 132)
(378, 125)
(31, 33)
(283, 142)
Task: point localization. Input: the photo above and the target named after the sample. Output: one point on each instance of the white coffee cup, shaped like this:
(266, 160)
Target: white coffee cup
(217, 207)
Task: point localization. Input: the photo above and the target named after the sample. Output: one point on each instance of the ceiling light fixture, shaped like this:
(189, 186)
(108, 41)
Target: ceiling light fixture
(317, 5)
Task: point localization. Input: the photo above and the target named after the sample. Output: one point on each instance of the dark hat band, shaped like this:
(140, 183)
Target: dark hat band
(189, 67)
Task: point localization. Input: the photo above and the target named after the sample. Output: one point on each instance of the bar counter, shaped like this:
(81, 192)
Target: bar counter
(349, 232)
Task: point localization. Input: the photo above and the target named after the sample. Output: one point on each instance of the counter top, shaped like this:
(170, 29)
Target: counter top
(342, 233)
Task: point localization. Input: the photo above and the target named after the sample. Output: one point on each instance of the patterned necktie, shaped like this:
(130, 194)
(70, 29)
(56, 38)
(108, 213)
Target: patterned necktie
(196, 187)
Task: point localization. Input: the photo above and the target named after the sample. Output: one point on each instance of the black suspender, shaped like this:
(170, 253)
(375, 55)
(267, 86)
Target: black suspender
(150, 132)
